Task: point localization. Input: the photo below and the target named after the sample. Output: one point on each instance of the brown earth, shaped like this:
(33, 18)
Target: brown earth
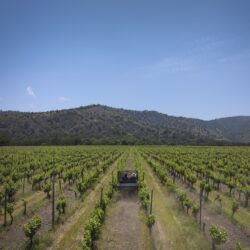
(212, 216)
(12, 237)
(123, 228)
(70, 235)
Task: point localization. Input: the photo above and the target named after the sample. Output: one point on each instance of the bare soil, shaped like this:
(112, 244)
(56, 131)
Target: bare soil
(70, 235)
(12, 237)
(123, 228)
(125, 222)
(212, 216)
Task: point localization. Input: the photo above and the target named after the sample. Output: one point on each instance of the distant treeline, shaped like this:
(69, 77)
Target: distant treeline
(5, 140)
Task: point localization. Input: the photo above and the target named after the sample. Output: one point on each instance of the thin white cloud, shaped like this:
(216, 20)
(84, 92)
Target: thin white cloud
(198, 55)
(245, 55)
(168, 65)
(172, 65)
(30, 92)
(63, 99)
(206, 45)
(207, 53)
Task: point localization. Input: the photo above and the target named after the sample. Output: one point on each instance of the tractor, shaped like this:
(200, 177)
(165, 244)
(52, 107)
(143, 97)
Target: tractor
(127, 179)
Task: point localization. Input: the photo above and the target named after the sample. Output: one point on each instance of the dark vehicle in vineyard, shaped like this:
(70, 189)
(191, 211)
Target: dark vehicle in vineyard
(127, 179)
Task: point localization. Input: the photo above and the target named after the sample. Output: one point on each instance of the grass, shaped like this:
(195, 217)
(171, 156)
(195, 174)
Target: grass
(34, 199)
(46, 239)
(173, 229)
(71, 237)
(241, 217)
(32, 206)
(41, 242)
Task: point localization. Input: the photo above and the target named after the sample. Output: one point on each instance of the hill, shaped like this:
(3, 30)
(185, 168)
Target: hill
(97, 124)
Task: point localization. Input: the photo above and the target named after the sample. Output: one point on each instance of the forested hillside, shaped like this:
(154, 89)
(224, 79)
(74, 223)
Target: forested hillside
(97, 124)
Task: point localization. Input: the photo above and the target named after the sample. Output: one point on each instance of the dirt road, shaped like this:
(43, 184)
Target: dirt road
(125, 227)
(125, 222)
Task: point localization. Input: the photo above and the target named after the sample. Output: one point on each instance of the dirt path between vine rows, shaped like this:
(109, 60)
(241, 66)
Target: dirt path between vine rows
(125, 222)
(123, 228)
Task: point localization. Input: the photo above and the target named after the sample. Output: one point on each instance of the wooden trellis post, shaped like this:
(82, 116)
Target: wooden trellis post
(151, 202)
(101, 198)
(53, 202)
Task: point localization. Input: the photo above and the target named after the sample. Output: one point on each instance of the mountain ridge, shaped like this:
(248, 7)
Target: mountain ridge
(100, 124)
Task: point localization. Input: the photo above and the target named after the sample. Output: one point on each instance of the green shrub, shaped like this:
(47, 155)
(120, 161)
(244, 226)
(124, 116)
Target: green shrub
(208, 189)
(144, 196)
(47, 187)
(32, 227)
(195, 210)
(94, 226)
(188, 204)
(81, 187)
(99, 213)
(182, 196)
(92, 229)
(61, 204)
(150, 220)
(87, 243)
(192, 179)
(218, 235)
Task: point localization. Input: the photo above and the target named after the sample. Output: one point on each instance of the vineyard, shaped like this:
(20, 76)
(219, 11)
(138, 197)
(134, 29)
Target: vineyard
(67, 198)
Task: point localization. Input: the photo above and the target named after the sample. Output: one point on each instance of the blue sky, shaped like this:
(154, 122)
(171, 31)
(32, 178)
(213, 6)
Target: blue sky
(183, 58)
